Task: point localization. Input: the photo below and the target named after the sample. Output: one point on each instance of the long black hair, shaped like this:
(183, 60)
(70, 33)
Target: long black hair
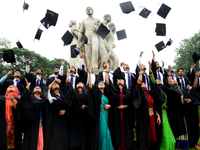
(84, 91)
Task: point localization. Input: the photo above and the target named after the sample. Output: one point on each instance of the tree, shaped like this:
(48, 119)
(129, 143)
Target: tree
(4, 43)
(185, 51)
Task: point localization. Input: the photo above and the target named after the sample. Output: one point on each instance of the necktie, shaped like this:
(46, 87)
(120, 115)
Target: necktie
(183, 84)
(71, 80)
(172, 77)
(129, 81)
(37, 82)
(147, 80)
(159, 75)
(17, 83)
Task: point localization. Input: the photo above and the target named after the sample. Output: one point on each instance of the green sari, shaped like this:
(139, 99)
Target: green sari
(168, 140)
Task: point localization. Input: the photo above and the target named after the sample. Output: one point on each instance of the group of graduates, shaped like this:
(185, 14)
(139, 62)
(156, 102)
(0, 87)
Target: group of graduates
(99, 112)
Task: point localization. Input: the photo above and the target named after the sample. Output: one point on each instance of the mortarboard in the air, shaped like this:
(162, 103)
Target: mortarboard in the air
(19, 45)
(160, 46)
(84, 40)
(49, 19)
(103, 31)
(160, 29)
(127, 7)
(145, 13)
(74, 52)
(169, 42)
(163, 10)
(121, 34)
(38, 34)
(67, 38)
(195, 57)
(8, 56)
(25, 6)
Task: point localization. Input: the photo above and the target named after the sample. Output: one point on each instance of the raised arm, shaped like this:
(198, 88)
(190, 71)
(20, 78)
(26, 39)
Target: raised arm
(169, 78)
(5, 77)
(61, 68)
(139, 81)
(89, 77)
(106, 74)
(153, 56)
(195, 85)
(150, 70)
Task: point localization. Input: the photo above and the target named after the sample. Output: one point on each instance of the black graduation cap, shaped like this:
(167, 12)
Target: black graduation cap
(160, 29)
(121, 34)
(195, 57)
(38, 34)
(103, 31)
(160, 46)
(67, 38)
(118, 75)
(127, 7)
(74, 52)
(19, 45)
(49, 19)
(8, 56)
(169, 42)
(25, 6)
(163, 10)
(145, 13)
(84, 40)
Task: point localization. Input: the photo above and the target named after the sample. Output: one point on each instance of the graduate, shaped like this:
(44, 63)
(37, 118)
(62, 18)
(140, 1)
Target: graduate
(123, 112)
(34, 106)
(76, 101)
(168, 141)
(147, 117)
(55, 121)
(100, 131)
(10, 105)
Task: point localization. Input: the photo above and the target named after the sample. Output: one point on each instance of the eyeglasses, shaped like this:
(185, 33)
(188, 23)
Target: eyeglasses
(101, 83)
(120, 80)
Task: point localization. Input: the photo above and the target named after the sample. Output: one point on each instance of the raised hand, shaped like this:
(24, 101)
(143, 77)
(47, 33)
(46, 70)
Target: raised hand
(33, 73)
(62, 62)
(81, 54)
(192, 66)
(45, 77)
(27, 84)
(122, 63)
(163, 63)
(141, 53)
(153, 53)
(9, 73)
(57, 80)
(27, 62)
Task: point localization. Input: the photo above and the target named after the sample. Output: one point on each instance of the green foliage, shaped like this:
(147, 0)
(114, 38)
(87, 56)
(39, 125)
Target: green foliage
(35, 61)
(4, 43)
(185, 51)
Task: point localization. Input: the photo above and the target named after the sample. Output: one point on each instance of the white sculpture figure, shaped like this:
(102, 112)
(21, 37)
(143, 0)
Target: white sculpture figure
(106, 19)
(91, 49)
(74, 32)
(109, 42)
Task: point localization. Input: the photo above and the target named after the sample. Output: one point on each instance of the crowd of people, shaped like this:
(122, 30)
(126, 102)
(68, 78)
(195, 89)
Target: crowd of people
(100, 112)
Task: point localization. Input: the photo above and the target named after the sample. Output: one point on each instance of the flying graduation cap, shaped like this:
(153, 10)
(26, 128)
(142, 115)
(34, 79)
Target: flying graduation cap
(103, 31)
(145, 13)
(74, 52)
(25, 6)
(163, 11)
(160, 46)
(49, 19)
(160, 29)
(121, 34)
(38, 34)
(8, 56)
(19, 45)
(195, 57)
(127, 7)
(67, 38)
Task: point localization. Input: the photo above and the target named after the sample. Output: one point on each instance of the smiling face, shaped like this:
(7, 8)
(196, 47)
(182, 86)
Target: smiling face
(72, 70)
(55, 86)
(101, 85)
(38, 71)
(11, 88)
(157, 65)
(79, 85)
(120, 82)
(17, 74)
(180, 72)
(56, 70)
(37, 89)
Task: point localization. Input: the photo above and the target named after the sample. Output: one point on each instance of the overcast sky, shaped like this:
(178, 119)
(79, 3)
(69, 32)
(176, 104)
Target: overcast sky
(183, 21)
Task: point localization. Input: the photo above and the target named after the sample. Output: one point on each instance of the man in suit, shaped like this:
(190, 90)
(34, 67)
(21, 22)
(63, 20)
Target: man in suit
(101, 75)
(83, 75)
(35, 79)
(183, 82)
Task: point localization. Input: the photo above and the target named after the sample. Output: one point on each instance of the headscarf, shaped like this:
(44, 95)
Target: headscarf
(9, 104)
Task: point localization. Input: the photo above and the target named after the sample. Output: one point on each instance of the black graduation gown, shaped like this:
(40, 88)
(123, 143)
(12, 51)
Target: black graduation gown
(186, 82)
(193, 118)
(17, 119)
(191, 77)
(128, 117)
(83, 75)
(56, 136)
(78, 120)
(49, 81)
(176, 112)
(33, 108)
(94, 103)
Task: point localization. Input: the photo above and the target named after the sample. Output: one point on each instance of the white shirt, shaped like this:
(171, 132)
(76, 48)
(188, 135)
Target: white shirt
(110, 74)
(161, 75)
(74, 80)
